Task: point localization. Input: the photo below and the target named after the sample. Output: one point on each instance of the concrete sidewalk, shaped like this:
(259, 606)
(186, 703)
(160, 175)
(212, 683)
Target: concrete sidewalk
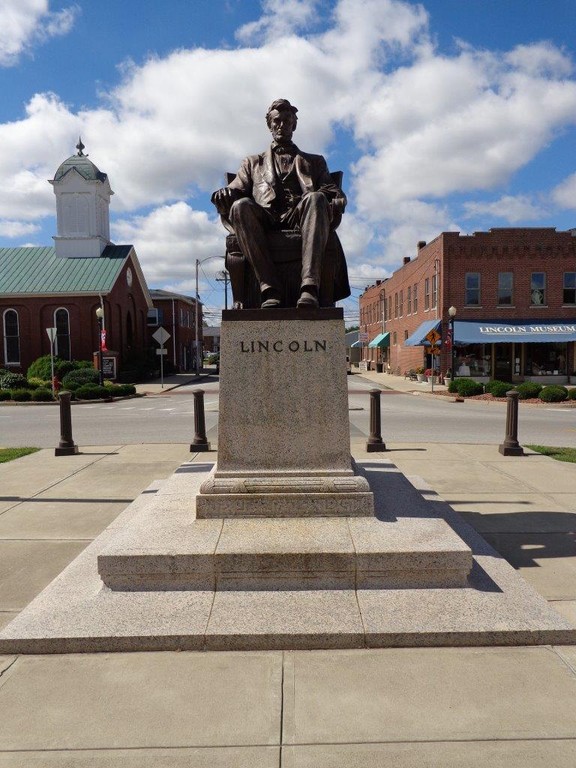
(324, 709)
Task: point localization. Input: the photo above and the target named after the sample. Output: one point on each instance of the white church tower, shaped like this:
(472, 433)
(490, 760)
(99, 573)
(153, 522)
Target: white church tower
(82, 207)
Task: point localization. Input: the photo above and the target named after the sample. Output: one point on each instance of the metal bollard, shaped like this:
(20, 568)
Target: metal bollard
(375, 442)
(66, 446)
(200, 442)
(511, 446)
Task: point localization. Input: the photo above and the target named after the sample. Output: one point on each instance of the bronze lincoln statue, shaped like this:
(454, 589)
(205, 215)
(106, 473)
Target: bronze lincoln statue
(284, 189)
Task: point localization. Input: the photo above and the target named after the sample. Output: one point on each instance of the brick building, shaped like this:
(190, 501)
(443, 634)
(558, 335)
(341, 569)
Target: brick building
(177, 315)
(514, 295)
(62, 286)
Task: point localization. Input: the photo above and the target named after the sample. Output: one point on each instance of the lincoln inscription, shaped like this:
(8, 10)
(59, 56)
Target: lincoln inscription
(280, 345)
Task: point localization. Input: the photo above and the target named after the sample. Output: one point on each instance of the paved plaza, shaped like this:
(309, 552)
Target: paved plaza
(466, 706)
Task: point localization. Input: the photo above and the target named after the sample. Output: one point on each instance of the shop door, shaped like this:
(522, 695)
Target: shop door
(503, 361)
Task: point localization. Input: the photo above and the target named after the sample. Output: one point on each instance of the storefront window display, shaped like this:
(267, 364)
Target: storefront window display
(545, 359)
(474, 360)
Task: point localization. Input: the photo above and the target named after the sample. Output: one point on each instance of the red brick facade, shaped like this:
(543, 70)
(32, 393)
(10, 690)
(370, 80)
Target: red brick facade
(437, 279)
(125, 311)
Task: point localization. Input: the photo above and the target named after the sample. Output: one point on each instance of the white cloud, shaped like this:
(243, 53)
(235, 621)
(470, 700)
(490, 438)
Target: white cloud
(565, 193)
(169, 240)
(25, 23)
(426, 126)
(279, 19)
(13, 229)
(514, 209)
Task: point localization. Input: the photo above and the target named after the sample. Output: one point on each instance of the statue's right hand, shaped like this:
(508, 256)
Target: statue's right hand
(223, 199)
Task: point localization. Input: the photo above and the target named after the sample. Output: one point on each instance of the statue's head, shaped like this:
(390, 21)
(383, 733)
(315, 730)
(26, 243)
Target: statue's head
(281, 120)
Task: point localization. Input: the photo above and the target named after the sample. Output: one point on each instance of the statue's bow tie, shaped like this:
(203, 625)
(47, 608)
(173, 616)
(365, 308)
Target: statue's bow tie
(285, 149)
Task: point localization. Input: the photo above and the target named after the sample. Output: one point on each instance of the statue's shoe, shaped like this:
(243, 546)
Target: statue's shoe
(307, 299)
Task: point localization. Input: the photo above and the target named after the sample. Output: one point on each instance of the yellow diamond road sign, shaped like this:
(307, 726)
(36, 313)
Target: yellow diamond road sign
(432, 336)
(434, 350)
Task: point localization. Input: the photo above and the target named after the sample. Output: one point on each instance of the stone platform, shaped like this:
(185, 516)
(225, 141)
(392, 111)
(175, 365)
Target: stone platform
(78, 613)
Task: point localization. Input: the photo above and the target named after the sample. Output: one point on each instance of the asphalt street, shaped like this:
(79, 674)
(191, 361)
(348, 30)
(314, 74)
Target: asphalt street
(168, 417)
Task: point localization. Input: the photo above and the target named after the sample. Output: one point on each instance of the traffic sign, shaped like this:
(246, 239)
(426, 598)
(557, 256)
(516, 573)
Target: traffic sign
(161, 335)
(434, 350)
(432, 336)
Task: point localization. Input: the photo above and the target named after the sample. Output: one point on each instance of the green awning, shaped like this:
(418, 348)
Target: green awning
(382, 340)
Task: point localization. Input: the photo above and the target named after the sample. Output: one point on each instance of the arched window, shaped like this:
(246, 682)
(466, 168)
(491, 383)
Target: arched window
(11, 338)
(129, 331)
(62, 325)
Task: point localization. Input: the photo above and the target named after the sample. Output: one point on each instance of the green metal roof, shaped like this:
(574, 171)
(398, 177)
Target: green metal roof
(37, 270)
(83, 165)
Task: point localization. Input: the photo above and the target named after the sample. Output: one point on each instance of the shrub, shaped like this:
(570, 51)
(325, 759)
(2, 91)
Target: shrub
(21, 395)
(453, 386)
(572, 394)
(121, 390)
(5, 394)
(528, 389)
(91, 392)
(42, 395)
(79, 377)
(13, 381)
(498, 388)
(41, 367)
(553, 394)
(468, 387)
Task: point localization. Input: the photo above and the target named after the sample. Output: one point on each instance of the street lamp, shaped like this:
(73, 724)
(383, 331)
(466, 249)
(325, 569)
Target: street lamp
(100, 319)
(452, 314)
(197, 313)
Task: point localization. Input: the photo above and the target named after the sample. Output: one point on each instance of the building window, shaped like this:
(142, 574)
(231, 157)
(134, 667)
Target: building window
(62, 325)
(395, 338)
(11, 338)
(395, 305)
(401, 303)
(409, 300)
(434, 290)
(569, 293)
(415, 298)
(426, 293)
(472, 289)
(505, 288)
(546, 359)
(405, 335)
(538, 289)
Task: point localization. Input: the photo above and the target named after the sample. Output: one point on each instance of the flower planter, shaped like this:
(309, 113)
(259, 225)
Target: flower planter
(432, 379)
(420, 377)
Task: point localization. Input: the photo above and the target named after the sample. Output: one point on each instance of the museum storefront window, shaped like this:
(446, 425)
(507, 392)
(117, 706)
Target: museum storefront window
(545, 359)
(474, 360)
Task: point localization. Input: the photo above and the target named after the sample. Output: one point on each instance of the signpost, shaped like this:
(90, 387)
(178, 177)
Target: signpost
(52, 336)
(433, 337)
(161, 336)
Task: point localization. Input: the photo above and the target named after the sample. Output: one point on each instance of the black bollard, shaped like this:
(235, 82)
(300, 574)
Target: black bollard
(200, 442)
(511, 446)
(66, 446)
(375, 442)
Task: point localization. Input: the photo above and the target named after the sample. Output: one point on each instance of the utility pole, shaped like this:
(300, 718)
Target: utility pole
(224, 279)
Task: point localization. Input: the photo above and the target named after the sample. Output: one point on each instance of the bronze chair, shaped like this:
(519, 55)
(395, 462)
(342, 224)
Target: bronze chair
(286, 251)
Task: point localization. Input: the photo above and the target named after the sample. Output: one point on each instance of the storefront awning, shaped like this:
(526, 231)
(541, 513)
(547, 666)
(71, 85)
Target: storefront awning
(418, 338)
(486, 332)
(382, 340)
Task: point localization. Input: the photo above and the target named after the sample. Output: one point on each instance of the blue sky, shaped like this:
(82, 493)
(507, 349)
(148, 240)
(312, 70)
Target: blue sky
(443, 115)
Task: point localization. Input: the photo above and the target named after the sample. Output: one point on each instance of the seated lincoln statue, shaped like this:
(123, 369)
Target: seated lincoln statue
(282, 208)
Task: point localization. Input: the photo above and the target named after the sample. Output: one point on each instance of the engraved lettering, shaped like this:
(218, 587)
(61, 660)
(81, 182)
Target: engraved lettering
(278, 346)
(262, 346)
(294, 346)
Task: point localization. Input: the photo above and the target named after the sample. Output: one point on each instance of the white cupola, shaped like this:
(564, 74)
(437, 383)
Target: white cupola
(82, 207)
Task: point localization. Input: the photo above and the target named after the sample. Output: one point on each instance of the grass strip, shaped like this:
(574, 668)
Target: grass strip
(560, 454)
(9, 454)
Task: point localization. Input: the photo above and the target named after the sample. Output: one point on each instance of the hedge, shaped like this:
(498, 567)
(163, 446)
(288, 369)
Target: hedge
(21, 395)
(79, 377)
(91, 392)
(42, 395)
(5, 394)
(572, 394)
(498, 388)
(13, 381)
(553, 394)
(528, 390)
(468, 387)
